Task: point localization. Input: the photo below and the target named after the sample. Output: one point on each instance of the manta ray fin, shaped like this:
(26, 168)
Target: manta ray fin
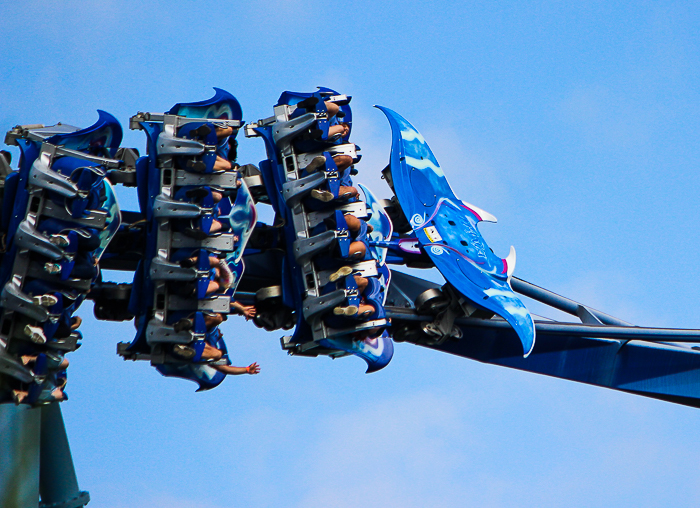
(510, 261)
(483, 214)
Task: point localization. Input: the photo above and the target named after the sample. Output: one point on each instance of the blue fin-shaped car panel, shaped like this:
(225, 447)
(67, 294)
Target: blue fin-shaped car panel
(376, 351)
(292, 98)
(447, 229)
(223, 105)
(113, 221)
(242, 218)
(380, 221)
(204, 375)
(102, 137)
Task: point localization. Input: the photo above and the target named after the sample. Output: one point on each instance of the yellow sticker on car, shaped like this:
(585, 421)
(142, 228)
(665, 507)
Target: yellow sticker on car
(432, 234)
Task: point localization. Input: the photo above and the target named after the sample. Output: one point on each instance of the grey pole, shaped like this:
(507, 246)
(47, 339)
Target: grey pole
(19, 456)
(58, 484)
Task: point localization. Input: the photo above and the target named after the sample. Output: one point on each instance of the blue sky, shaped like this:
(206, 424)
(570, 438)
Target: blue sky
(575, 125)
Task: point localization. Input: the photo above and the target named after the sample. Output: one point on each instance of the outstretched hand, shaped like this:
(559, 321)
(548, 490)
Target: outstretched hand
(244, 310)
(248, 311)
(253, 368)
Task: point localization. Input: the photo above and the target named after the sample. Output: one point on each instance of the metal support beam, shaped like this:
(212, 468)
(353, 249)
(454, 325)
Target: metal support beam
(621, 356)
(561, 303)
(661, 371)
(35, 460)
(58, 484)
(568, 329)
(19, 456)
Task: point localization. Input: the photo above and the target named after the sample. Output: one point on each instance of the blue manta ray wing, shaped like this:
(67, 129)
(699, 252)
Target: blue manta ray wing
(447, 228)
(477, 273)
(417, 176)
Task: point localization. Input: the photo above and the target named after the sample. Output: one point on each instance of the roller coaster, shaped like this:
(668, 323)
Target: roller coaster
(321, 271)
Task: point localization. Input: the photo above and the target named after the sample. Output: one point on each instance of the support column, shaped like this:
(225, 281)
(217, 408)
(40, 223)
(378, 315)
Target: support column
(58, 484)
(19, 456)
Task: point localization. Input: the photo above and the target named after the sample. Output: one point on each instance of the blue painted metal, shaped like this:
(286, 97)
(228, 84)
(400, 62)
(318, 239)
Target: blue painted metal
(625, 333)
(631, 359)
(167, 176)
(661, 371)
(293, 98)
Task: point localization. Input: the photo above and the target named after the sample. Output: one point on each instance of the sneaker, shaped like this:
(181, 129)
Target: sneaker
(18, 397)
(52, 268)
(309, 102)
(59, 240)
(183, 351)
(317, 163)
(27, 359)
(341, 272)
(75, 322)
(197, 193)
(182, 325)
(322, 195)
(312, 134)
(188, 263)
(35, 334)
(198, 166)
(366, 313)
(348, 311)
(196, 234)
(200, 132)
(351, 310)
(45, 300)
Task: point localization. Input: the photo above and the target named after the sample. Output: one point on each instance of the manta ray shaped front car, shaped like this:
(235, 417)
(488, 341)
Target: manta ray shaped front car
(446, 228)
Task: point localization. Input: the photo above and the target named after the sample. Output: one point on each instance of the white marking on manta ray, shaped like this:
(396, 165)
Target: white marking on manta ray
(512, 305)
(499, 292)
(416, 221)
(510, 261)
(369, 348)
(424, 164)
(516, 311)
(485, 216)
(412, 135)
